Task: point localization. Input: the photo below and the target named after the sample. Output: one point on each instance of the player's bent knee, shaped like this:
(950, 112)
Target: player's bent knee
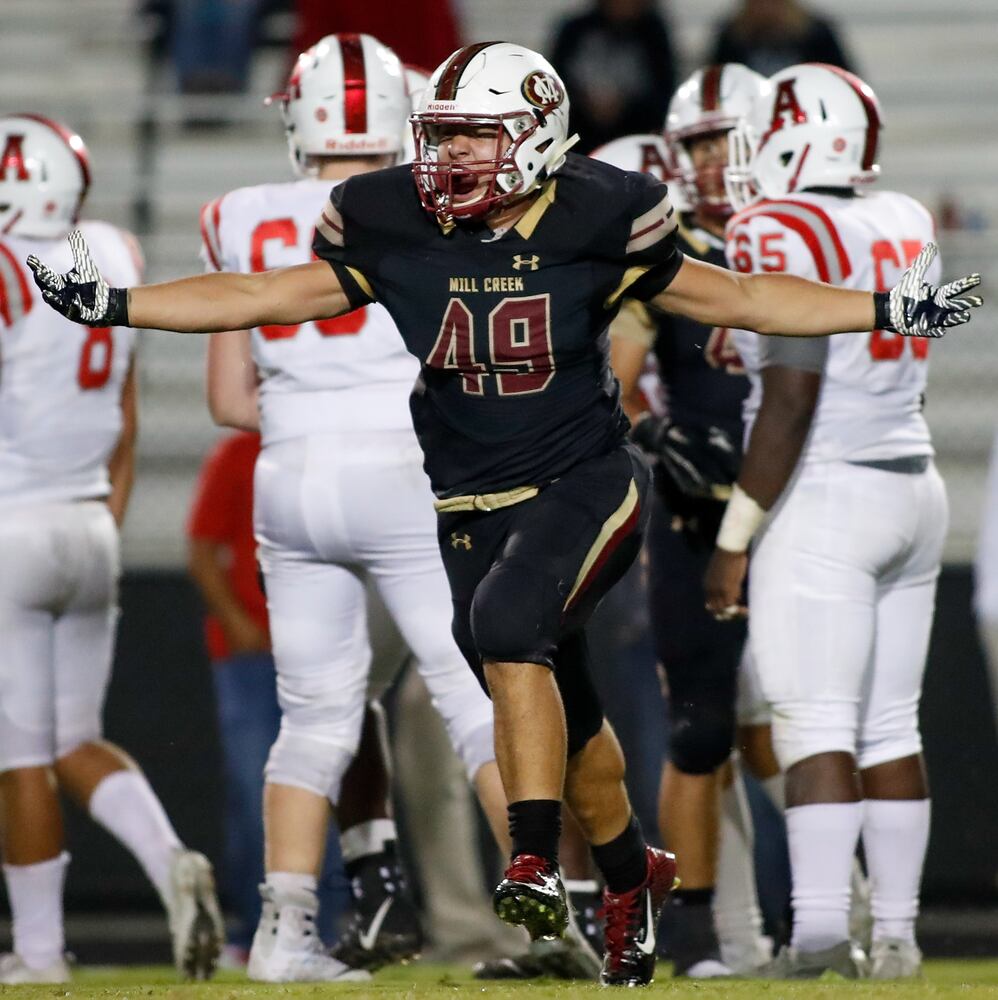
(802, 730)
(515, 614)
(312, 757)
(701, 740)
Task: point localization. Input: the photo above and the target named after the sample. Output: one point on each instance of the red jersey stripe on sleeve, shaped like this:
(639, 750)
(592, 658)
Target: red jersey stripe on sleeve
(210, 218)
(15, 292)
(815, 228)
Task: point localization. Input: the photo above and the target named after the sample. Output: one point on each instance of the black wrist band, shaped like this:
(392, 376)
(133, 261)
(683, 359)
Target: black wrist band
(117, 307)
(882, 311)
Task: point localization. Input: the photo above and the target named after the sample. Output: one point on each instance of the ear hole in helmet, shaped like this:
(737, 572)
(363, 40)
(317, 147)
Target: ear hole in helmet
(543, 146)
(786, 157)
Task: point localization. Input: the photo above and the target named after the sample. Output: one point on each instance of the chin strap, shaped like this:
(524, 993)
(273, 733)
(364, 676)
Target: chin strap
(560, 150)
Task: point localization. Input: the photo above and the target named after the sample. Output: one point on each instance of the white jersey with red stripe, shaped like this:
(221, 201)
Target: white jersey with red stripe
(60, 383)
(870, 406)
(343, 374)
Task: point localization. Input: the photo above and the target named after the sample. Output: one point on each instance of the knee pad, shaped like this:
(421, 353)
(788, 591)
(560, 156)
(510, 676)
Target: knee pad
(701, 737)
(516, 614)
(803, 729)
(320, 731)
(889, 736)
(466, 712)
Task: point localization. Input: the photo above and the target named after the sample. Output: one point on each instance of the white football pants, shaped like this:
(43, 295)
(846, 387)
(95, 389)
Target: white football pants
(332, 512)
(842, 593)
(59, 568)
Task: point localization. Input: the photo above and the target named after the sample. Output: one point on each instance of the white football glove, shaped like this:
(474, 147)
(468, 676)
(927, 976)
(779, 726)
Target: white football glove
(914, 308)
(81, 294)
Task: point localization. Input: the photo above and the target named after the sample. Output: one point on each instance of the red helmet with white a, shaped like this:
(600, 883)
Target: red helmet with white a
(488, 84)
(44, 177)
(819, 126)
(713, 100)
(645, 154)
(346, 96)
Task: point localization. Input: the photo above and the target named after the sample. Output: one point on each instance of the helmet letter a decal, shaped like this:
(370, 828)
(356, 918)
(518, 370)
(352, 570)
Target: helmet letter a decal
(12, 158)
(786, 102)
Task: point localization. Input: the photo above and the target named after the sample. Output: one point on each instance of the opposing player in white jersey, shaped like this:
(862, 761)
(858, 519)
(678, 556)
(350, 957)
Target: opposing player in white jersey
(340, 495)
(851, 514)
(67, 431)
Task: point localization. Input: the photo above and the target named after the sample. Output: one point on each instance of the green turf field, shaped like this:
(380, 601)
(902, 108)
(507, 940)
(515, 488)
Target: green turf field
(944, 979)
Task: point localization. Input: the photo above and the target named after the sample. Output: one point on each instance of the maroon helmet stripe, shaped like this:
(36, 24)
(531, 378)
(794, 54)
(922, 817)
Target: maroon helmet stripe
(873, 122)
(354, 84)
(451, 76)
(710, 88)
(67, 137)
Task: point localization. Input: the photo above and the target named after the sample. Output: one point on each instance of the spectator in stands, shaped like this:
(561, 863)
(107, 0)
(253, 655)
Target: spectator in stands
(618, 64)
(222, 563)
(769, 35)
(421, 32)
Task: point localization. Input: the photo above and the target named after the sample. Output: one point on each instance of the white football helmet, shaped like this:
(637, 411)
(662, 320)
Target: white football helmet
(416, 81)
(645, 154)
(346, 96)
(490, 84)
(44, 177)
(714, 99)
(819, 126)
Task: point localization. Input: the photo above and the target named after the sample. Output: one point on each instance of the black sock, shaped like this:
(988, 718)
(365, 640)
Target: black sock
(622, 861)
(535, 827)
(692, 897)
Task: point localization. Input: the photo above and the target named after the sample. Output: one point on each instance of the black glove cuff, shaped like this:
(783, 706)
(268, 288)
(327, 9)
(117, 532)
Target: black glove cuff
(882, 311)
(644, 434)
(117, 307)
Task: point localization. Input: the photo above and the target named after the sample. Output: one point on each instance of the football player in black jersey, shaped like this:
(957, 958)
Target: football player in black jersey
(502, 266)
(695, 448)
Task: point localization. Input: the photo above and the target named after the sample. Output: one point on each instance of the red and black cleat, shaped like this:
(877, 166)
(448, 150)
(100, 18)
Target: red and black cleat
(531, 894)
(632, 922)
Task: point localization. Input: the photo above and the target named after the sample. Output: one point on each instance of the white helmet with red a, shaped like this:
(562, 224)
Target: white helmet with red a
(818, 127)
(713, 100)
(44, 177)
(346, 96)
(645, 154)
(491, 84)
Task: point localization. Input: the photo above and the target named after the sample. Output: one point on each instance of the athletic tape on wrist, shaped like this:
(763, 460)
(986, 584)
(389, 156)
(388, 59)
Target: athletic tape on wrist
(882, 311)
(741, 520)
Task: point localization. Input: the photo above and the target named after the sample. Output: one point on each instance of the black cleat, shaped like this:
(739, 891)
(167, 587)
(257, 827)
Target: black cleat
(632, 921)
(385, 928)
(531, 895)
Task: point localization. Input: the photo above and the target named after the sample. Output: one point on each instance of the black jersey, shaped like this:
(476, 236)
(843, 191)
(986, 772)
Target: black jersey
(703, 376)
(515, 387)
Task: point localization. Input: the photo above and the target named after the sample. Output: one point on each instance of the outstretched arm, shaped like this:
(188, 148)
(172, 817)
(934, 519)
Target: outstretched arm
(795, 307)
(208, 303)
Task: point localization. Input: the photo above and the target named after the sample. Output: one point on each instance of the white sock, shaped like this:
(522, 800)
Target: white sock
(822, 840)
(295, 888)
(587, 885)
(773, 787)
(895, 838)
(367, 838)
(126, 806)
(736, 905)
(35, 895)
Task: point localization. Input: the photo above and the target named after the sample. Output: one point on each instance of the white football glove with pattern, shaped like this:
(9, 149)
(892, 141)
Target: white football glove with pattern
(914, 308)
(81, 294)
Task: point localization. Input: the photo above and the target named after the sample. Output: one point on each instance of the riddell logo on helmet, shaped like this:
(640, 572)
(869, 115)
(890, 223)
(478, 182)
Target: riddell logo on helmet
(12, 158)
(441, 106)
(357, 145)
(542, 90)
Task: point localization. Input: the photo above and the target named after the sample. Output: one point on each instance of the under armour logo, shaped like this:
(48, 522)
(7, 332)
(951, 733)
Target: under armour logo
(463, 540)
(520, 261)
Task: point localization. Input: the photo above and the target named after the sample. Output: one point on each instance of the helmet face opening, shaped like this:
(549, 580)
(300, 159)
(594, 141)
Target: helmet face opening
(705, 182)
(444, 188)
